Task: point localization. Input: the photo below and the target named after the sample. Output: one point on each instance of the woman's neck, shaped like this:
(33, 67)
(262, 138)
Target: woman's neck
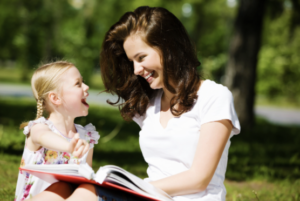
(64, 124)
(166, 99)
(167, 95)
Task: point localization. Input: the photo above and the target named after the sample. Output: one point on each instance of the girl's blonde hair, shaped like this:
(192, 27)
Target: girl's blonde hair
(44, 80)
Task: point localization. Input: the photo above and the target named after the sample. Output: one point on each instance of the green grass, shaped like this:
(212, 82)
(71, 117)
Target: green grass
(265, 159)
(279, 102)
(13, 75)
(96, 81)
(260, 190)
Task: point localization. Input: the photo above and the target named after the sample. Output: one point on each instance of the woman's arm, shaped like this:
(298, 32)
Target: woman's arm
(41, 135)
(212, 141)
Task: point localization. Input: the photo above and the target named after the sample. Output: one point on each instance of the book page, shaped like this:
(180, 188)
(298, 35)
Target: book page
(108, 170)
(66, 169)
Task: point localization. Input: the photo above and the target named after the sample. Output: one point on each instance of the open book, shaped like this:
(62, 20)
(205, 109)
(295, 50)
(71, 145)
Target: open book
(109, 176)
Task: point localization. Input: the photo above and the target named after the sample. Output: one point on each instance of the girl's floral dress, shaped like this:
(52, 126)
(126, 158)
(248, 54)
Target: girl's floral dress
(29, 185)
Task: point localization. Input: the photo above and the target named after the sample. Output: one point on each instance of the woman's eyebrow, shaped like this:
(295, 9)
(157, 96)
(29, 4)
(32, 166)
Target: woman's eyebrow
(137, 54)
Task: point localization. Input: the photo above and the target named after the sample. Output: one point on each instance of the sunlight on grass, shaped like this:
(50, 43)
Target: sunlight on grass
(278, 190)
(260, 159)
(281, 102)
(13, 75)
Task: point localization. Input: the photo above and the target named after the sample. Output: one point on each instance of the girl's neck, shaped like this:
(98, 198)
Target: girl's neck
(64, 124)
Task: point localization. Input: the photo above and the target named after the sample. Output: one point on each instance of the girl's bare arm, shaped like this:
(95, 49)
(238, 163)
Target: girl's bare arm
(41, 135)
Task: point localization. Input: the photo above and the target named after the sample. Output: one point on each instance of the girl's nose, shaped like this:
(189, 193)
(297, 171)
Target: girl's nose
(138, 68)
(85, 87)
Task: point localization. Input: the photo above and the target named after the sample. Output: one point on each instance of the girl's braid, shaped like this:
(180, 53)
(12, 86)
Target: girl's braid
(40, 103)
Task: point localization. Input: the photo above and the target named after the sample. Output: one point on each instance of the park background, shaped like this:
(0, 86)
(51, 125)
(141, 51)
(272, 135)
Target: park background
(251, 46)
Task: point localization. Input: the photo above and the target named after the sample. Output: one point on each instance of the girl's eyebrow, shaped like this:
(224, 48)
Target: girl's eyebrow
(79, 79)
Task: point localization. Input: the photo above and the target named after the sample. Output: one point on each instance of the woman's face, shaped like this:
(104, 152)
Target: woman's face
(146, 61)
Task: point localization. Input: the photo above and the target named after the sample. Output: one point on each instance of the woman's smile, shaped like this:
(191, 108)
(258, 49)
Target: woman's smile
(149, 76)
(146, 61)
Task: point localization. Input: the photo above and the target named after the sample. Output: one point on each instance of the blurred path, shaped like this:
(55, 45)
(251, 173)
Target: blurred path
(279, 115)
(272, 114)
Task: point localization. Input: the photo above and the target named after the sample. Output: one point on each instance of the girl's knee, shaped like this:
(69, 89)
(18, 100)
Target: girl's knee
(84, 192)
(63, 189)
(58, 191)
(87, 187)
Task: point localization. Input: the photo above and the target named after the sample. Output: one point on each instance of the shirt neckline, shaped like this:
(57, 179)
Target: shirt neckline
(60, 132)
(158, 110)
(158, 105)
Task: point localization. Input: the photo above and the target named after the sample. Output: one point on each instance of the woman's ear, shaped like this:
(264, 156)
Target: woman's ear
(54, 98)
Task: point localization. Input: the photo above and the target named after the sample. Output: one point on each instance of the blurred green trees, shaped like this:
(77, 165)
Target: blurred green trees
(39, 31)
(279, 63)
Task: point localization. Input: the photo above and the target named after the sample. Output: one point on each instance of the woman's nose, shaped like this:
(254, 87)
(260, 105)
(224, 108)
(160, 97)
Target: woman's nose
(138, 68)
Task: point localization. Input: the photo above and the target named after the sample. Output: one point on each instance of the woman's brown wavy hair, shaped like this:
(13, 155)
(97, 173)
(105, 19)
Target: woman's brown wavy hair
(159, 29)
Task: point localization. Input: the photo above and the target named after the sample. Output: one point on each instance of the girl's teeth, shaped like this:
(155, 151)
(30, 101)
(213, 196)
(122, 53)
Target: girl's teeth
(149, 75)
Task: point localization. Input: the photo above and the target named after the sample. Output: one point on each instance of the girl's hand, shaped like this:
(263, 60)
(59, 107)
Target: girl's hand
(78, 147)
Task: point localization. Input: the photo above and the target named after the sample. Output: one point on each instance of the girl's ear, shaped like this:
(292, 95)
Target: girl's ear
(54, 98)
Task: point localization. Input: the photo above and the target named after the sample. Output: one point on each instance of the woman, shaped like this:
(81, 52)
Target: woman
(186, 123)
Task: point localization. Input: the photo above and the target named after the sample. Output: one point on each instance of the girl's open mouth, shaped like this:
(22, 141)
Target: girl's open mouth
(84, 102)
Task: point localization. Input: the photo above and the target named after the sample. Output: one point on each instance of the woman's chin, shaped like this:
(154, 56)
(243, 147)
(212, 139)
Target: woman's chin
(155, 87)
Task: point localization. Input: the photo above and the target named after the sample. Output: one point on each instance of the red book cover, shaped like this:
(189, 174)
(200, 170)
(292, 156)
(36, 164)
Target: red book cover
(54, 177)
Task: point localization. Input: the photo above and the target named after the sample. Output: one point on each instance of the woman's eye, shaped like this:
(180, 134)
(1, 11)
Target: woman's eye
(141, 58)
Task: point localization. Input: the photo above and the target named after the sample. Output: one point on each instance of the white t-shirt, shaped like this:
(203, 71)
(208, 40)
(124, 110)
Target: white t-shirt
(169, 151)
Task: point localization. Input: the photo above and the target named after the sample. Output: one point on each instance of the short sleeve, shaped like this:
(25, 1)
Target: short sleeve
(217, 104)
(139, 120)
(40, 120)
(89, 134)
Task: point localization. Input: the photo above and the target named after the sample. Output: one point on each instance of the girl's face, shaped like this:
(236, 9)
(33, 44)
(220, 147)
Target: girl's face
(146, 61)
(74, 93)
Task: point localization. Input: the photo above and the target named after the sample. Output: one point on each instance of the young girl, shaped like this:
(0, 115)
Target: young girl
(59, 90)
(186, 122)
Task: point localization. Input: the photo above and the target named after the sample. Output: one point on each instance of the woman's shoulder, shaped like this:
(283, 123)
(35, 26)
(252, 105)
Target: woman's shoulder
(212, 87)
(210, 91)
(215, 102)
